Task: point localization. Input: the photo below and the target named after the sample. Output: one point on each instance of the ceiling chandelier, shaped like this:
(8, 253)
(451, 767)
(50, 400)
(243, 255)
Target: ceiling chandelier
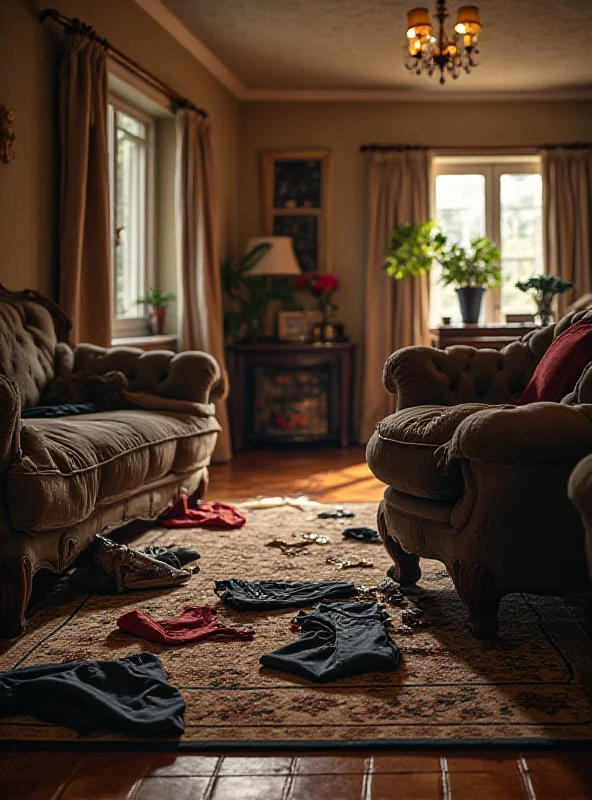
(428, 51)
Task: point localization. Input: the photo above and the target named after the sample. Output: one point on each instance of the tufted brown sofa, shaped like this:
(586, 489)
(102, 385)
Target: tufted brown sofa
(65, 479)
(477, 482)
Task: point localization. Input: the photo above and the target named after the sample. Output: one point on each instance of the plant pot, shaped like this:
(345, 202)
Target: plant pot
(157, 319)
(470, 298)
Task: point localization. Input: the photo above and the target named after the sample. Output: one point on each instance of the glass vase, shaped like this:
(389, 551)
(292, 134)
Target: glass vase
(544, 315)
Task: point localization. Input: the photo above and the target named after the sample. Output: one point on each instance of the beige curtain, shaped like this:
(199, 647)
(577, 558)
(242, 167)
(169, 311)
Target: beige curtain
(85, 262)
(201, 315)
(396, 311)
(567, 219)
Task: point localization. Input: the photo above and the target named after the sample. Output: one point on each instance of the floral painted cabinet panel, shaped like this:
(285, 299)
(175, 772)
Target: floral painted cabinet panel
(283, 393)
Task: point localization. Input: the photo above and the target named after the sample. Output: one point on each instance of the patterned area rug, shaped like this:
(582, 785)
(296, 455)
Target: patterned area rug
(533, 682)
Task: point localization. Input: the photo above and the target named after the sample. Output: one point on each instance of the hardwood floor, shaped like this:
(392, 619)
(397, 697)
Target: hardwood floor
(328, 475)
(358, 776)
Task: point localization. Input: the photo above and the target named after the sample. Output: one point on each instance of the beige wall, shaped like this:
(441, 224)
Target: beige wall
(29, 63)
(343, 127)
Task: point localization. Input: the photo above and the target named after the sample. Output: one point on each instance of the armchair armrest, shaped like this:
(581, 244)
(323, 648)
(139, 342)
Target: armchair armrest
(539, 433)
(191, 376)
(10, 421)
(426, 376)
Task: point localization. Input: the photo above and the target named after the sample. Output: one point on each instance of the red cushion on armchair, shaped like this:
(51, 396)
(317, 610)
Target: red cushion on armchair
(559, 369)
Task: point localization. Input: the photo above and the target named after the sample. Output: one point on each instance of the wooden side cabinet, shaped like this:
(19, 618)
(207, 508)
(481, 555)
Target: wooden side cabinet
(494, 335)
(283, 393)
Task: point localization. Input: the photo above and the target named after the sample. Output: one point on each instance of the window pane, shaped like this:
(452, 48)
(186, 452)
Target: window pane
(131, 125)
(130, 223)
(521, 237)
(460, 212)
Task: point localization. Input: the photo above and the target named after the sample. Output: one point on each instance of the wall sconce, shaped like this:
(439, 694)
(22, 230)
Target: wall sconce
(7, 134)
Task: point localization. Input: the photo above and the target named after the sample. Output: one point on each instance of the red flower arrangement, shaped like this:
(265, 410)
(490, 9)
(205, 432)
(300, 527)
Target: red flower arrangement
(321, 286)
(318, 285)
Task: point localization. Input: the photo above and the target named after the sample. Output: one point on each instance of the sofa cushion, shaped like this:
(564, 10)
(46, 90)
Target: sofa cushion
(71, 465)
(561, 366)
(401, 451)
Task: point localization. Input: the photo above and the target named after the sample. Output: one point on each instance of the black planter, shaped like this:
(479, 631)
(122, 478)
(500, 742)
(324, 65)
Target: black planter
(470, 298)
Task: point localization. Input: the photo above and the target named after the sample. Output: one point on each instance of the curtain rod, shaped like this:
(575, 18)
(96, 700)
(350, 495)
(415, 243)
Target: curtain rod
(123, 60)
(521, 149)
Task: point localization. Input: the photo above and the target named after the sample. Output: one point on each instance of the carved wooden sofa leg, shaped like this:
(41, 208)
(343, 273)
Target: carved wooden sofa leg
(406, 569)
(16, 582)
(477, 589)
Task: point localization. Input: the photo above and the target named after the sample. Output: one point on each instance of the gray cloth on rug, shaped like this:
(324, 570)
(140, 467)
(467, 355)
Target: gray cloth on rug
(337, 641)
(125, 695)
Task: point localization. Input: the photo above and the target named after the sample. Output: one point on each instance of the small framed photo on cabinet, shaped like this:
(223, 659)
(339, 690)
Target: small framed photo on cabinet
(293, 326)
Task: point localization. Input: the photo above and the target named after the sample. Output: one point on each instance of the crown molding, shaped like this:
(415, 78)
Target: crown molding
(173, 25)
(412, 96)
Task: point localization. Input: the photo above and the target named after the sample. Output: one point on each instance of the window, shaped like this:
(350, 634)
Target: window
(131, 137)
(498, 198)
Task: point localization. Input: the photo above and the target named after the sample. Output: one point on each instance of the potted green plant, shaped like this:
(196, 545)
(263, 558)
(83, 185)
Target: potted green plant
(414, 248)
(157, 303)
(471, 270)
(544, 288)
(248, 296)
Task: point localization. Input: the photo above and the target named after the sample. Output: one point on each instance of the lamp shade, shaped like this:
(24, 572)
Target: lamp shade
(418, 22)
(468, 20)
(280, 259)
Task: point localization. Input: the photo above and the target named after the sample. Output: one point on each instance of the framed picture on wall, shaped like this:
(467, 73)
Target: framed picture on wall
(298, 202)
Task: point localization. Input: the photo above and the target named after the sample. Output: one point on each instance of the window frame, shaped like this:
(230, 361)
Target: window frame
(492, 167)
(133, 326)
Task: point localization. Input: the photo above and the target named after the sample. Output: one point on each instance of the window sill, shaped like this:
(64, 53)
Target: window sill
(164, 342)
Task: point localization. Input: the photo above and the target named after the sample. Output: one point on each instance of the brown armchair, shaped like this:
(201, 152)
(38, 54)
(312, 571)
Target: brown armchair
(478, 483)
(63, 480)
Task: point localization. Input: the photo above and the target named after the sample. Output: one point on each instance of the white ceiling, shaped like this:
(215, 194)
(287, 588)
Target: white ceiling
(283, 46)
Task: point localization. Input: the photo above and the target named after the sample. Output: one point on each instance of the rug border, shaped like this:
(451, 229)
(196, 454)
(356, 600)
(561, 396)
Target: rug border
(316, 745)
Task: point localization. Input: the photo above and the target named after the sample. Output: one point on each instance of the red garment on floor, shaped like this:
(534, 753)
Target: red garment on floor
(560, 367)
(205, 515)
(194, 623)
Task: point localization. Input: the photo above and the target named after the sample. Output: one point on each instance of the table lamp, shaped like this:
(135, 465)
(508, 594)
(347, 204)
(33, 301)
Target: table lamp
(280, 259)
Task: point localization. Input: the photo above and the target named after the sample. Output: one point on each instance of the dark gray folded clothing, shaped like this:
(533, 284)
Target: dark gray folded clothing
(62, 410)
(260, 595)
(362, 534)
(129, 695)
(338, 640)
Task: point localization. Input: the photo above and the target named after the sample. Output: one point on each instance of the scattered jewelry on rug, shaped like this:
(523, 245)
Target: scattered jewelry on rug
(388, 592)
(338, 640)
(337, 514)
(341, 563)
(316, 538)
(302, 502)
(259, 595)
(413, 618)
(192, 624)
(362, 535)
(290, 549)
